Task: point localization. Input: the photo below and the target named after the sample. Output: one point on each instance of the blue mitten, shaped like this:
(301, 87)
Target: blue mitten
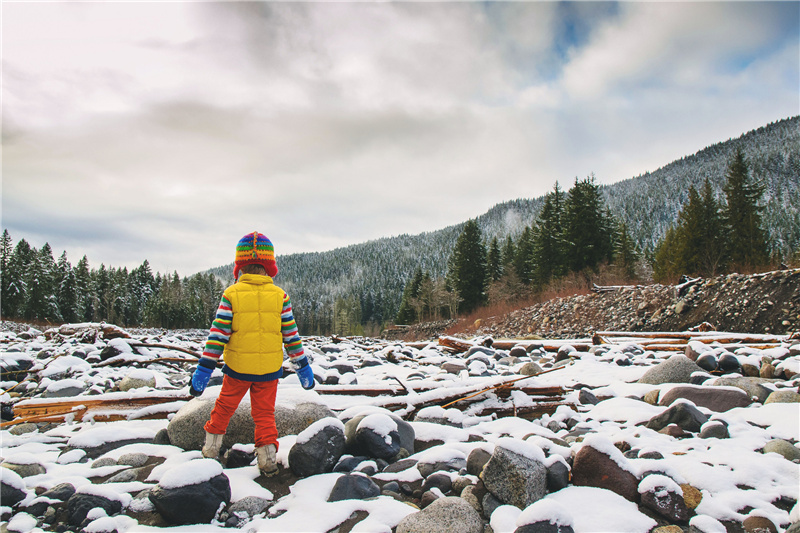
(201, 376)
(305, 374)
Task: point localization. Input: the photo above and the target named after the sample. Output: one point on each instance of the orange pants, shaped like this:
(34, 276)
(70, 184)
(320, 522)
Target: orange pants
(262, 407)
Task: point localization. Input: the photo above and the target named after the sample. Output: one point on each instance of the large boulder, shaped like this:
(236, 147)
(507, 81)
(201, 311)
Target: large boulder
(717, 399)
(186, 431)
(754, 387)
(445, 515)
(191, 493)
(599, 464)
(516, 473)
(676, 369)
(317, 448)
(83, 501)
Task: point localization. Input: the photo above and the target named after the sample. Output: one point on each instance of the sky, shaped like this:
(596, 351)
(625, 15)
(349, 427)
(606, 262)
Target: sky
(168, 130)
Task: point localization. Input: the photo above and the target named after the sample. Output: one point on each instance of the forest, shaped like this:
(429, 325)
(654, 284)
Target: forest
(514, 250)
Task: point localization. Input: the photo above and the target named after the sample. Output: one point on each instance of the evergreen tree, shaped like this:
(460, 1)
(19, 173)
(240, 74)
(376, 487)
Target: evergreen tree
(6, 253)
(548, 247)
(67, 292)
(494, 261)
(406, 314)
(625, 253)
(747, 244)
(509, 253)
(587, 226)
(523, 260)
(468, 267)
(85, 289)
(711, 258)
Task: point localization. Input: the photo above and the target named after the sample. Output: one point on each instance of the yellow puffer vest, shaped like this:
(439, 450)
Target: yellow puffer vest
(256, 343)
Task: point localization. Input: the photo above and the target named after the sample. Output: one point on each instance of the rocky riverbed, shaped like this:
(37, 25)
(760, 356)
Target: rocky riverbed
(758, 303)
(621, 433)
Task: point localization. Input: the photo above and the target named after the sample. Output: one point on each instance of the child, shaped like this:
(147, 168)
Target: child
(254, 322)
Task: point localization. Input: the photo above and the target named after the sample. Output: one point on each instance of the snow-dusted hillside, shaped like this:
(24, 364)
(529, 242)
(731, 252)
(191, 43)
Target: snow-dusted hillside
(374, 273)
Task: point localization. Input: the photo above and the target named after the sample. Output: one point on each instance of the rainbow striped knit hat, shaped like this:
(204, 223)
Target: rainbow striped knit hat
(255, 249)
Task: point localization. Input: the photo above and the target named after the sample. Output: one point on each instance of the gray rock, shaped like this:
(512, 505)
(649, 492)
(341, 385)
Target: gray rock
(185, 429)
(530, 369)
(557, 476)
(784, 448)
(354, 487)
(515, 479)
(676, 369)
(319, 453)
(130, 382)
(445, 515)
(683, 414)
(714, 429)
(490, 503)
(248, 507)
(192, 504)
(104, 461)
(133, 459)
(21, 429)
(11, 491)
(439, 481)
(25, 469)
(783, 396)
(64, 392)
(62, 491)
(752, 386)
(361, 444)
(455, 463)
(713, 398)
(125, 476)
(476, 460)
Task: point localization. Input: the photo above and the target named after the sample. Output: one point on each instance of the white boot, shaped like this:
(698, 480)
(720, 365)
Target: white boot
(267, 461)
(212, 445)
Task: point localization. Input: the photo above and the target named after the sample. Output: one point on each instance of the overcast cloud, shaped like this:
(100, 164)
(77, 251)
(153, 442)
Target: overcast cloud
(166, 131)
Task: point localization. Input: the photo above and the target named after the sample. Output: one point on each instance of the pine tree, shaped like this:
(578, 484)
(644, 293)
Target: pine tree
(587, 226)
(6, 253)
(494, 261)
(711, 258)
(625, 253)
(548, 247)
(67, 291)
(468, 267)
(85, 289)
(509, 253)
(406, 314)
(747, 244)
(523, 260)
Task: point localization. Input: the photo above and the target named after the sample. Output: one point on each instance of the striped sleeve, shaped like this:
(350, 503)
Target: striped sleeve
(291, 337)
(220, 332)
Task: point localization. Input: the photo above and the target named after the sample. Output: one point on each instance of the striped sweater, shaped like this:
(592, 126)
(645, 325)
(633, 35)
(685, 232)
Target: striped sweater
(220, 332)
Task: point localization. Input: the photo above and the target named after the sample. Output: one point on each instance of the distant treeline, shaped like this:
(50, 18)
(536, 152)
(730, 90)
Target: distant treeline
(34, 286)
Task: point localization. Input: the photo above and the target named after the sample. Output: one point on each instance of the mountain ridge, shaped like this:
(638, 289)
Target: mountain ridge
(371, 275)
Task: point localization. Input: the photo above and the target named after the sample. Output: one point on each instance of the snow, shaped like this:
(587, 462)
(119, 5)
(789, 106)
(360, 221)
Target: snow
(732, 474)
(306, 435)
(12, 479)
(379, 423)
(601, 510)
(546, 510)
(190, 473)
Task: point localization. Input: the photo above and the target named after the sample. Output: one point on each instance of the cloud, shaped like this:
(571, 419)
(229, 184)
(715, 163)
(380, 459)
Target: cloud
(179, 127)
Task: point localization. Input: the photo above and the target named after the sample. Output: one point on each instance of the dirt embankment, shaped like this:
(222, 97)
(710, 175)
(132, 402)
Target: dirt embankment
(758, 303)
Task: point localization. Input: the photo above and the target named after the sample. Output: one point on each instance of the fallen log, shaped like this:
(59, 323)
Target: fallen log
(101, 408)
